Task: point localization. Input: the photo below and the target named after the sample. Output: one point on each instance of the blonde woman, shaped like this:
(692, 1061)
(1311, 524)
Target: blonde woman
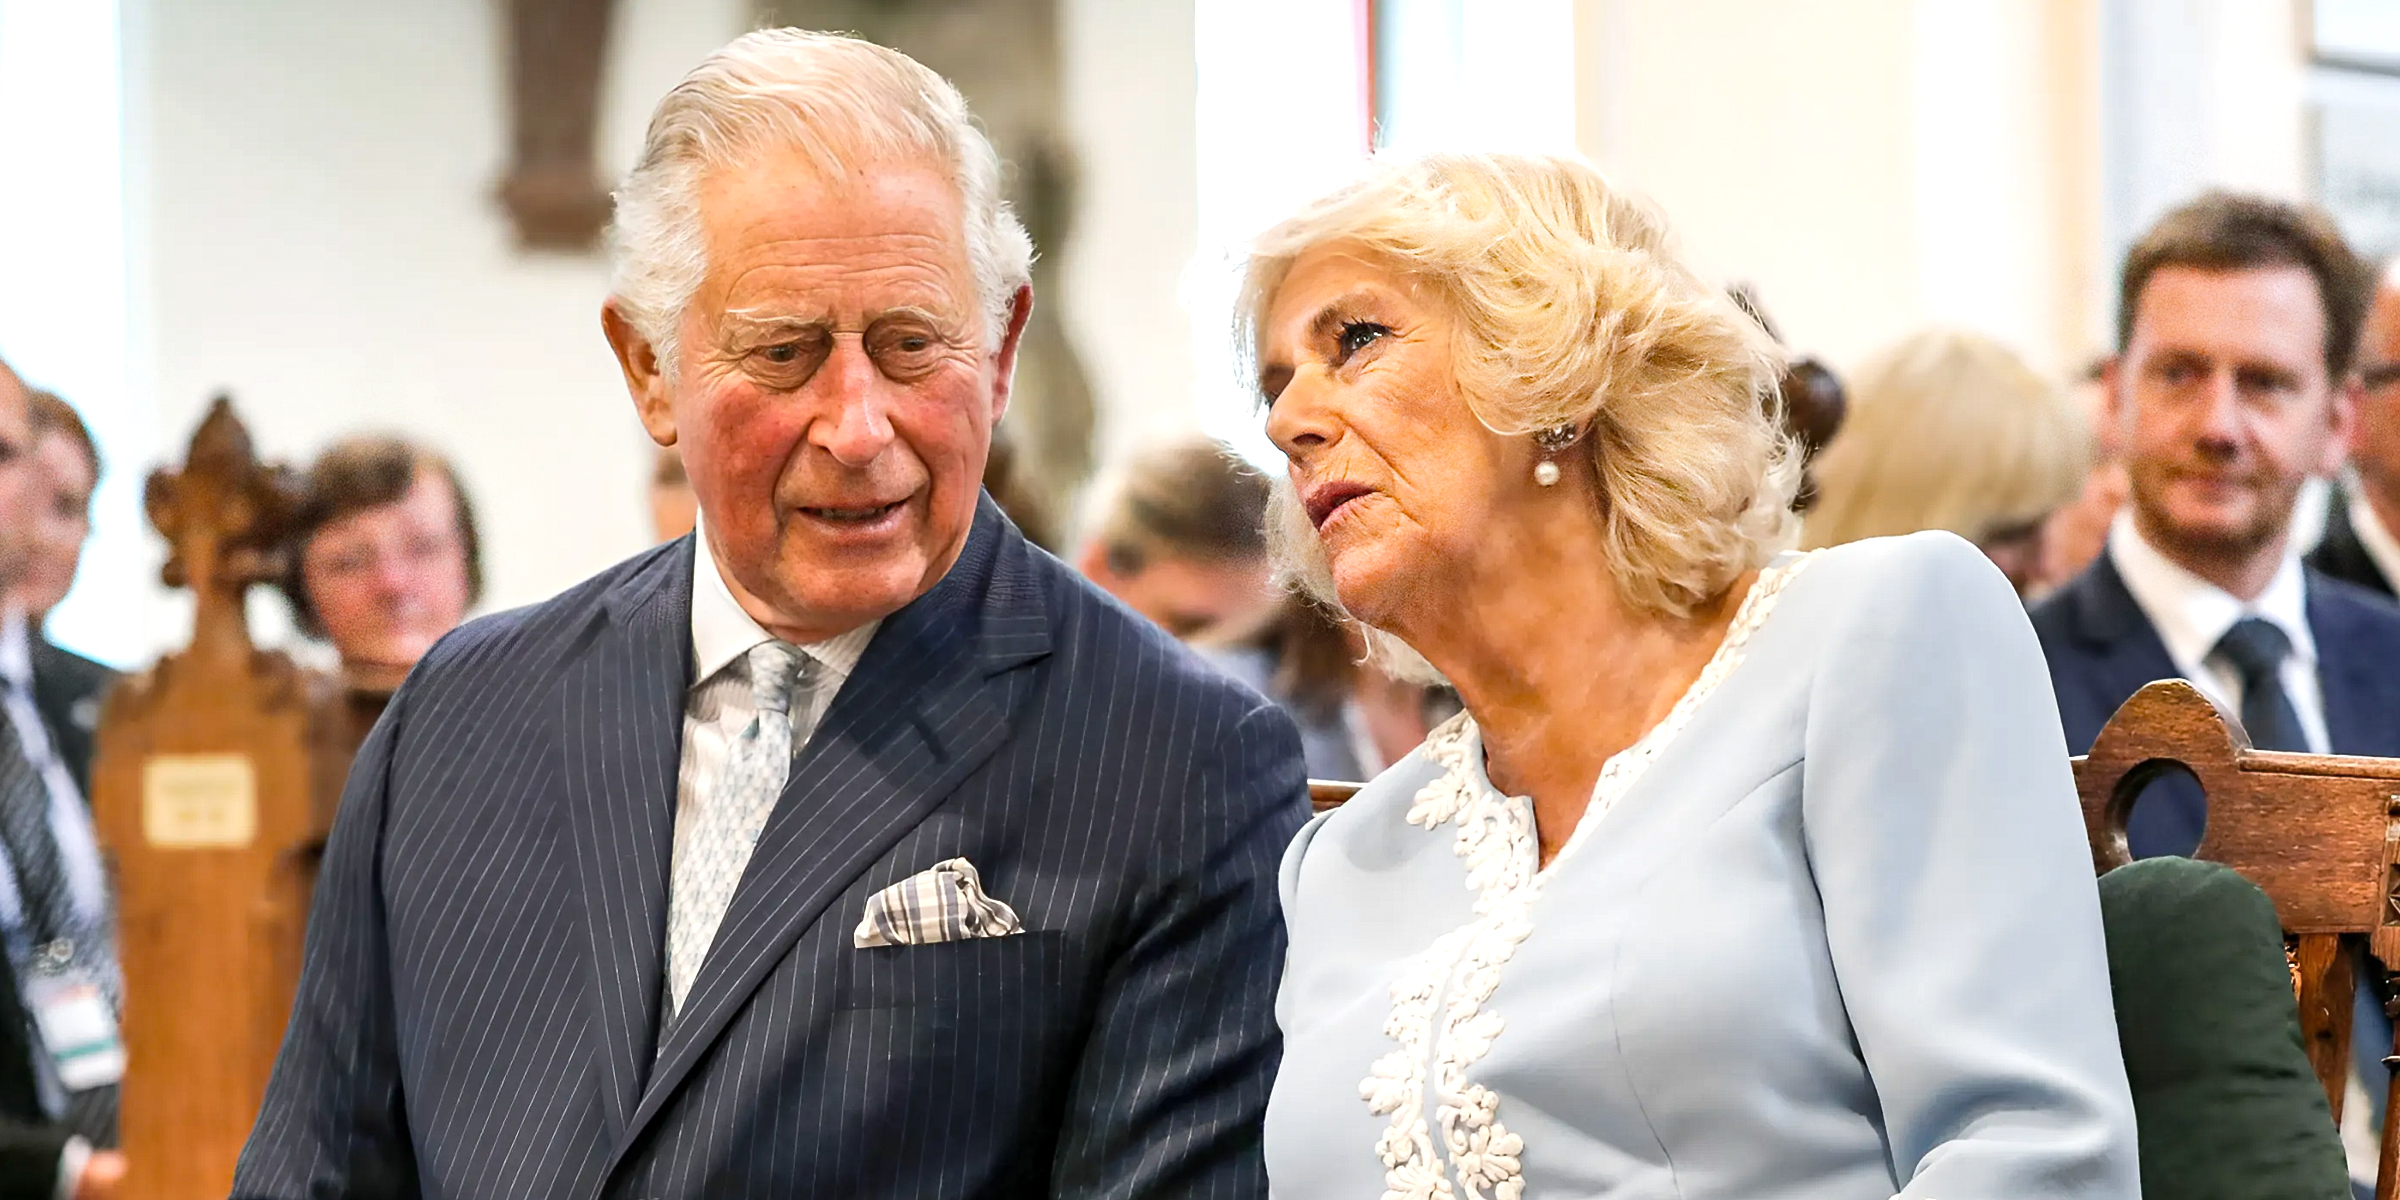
(1744, 874)
(1950, 430)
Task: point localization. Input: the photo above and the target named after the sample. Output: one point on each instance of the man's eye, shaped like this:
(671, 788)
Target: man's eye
(1356, 336)
(782, 353)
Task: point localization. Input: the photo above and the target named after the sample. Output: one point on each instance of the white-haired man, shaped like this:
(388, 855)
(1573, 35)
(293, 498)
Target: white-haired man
(2362, 527)
(849, 847)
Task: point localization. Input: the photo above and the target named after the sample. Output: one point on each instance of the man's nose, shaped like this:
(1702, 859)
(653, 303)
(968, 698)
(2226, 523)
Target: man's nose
(858, 427)
(2218, 421)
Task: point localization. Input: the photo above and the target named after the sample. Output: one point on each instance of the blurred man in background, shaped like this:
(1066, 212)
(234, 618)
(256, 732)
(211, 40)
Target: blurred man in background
(67, 687)
(57, 1093)
(673, 509)
(1182, 541)
(2238, 319)
(385, 557)
(2362, 526)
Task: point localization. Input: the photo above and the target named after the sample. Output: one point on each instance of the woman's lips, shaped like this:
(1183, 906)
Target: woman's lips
(1323, 499)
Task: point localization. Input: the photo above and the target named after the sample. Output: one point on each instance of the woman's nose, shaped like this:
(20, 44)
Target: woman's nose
(1301, 420)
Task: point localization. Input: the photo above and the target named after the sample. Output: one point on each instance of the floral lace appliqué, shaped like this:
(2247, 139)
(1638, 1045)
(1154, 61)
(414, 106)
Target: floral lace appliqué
(1496, 841)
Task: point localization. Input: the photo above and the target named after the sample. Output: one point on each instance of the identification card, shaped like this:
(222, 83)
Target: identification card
(78, 1029)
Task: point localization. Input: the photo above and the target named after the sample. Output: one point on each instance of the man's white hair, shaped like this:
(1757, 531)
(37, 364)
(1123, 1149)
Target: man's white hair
(839, 102)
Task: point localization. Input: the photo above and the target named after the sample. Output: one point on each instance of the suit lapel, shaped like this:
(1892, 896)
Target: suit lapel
(620, 732)
(2359, 696)
(929, 702)
(2130, 652)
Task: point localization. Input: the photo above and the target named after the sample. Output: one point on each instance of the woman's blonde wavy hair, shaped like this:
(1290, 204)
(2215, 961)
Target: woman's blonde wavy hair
(1573, 309)
(1948, 430)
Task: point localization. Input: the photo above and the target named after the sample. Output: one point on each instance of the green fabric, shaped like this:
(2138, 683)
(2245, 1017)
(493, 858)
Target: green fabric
(2227, 1105)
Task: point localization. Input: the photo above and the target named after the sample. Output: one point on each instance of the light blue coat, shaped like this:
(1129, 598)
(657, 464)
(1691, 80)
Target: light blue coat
(1829, 933)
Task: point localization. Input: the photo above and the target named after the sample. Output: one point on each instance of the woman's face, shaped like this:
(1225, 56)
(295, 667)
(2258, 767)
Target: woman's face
(389, 581)
(1396, 474)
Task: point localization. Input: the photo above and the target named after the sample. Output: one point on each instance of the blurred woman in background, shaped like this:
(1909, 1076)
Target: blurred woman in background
(385, 557)
(1950, 430)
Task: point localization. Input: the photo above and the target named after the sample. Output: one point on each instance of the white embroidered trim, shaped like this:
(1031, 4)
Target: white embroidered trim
(1497, 842)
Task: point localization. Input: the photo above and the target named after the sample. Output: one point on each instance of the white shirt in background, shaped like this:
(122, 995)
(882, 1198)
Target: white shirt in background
(2191, 614)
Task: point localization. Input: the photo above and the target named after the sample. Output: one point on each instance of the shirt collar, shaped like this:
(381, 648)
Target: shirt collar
(2190, 613)
(16, 648)
(2381, 544)
(722, 631)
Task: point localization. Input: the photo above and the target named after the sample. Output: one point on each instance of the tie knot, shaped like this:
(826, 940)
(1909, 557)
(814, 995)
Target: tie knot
(2255, 646)
(776, 670)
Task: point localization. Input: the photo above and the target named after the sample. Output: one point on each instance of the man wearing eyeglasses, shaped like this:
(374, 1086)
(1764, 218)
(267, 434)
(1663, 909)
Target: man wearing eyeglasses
(2362, 532)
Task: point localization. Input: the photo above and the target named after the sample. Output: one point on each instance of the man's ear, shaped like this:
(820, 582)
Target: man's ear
(2118, 409)
(2347, 428)
(647, 383)
(1004, 373)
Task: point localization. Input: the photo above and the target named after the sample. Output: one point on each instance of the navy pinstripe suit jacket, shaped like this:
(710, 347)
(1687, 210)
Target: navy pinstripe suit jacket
(478, 1011)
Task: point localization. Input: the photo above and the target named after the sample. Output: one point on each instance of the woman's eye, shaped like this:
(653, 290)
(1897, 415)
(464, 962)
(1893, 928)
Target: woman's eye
(1356, 336)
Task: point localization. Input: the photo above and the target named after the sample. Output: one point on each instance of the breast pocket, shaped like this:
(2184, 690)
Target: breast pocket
(1014, 980)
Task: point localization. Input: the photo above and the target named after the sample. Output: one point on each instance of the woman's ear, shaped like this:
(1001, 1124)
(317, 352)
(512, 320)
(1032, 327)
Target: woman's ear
(644, 377)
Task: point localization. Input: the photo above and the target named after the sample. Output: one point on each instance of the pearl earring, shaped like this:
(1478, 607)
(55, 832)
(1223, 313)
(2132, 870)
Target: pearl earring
(1551, 442)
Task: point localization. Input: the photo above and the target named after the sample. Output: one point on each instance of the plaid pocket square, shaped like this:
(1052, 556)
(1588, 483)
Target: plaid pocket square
(943, 903)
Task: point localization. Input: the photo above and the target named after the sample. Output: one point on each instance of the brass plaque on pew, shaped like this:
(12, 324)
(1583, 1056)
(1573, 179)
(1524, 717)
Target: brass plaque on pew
(199, 801)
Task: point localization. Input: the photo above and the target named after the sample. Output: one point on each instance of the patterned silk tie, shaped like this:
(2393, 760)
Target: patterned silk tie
(2256, 648)
(712, 845)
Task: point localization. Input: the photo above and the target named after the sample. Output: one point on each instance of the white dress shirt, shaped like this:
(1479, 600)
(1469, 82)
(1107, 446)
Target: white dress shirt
(70, 819)
(2381, 545)
(70, 825)
(2191, 614)
(718, 706)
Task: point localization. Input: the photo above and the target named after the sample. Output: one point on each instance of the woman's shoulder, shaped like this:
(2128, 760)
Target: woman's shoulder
(1381, 809)
(1909, 560)
(1896, 589)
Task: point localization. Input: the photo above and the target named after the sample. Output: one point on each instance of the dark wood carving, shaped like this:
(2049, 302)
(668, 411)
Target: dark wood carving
(557, 52)
(216, 778)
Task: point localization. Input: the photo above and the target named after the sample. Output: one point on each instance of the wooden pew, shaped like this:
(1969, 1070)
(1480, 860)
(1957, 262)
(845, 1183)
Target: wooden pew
(2319, 834)
(216, 778)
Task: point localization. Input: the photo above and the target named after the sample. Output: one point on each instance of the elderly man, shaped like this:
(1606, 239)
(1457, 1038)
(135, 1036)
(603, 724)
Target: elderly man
(2362, 527)
(849, 847)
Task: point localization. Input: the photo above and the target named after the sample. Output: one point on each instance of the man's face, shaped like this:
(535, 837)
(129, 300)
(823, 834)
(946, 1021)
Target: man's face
(389, 581)
(62, 519)
(2375, 443)
(16, 477)
(836, 389)
(2223, 407)
(1192, 598)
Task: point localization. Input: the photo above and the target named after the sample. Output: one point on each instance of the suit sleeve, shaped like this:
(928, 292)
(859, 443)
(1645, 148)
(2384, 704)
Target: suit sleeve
(332, 1124)
(30, 1156)
(1171, 1091)
(1942, 825)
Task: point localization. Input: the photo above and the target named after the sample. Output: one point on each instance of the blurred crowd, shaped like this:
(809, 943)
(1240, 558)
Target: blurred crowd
(2231, 465)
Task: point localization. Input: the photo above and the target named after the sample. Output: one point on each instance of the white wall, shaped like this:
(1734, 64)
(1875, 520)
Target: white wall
(1872, 165)
(63, 301)
(1130, 87)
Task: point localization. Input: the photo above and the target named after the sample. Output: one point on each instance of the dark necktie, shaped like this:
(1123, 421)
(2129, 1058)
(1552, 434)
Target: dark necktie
(54, 932)
(2256, 648)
